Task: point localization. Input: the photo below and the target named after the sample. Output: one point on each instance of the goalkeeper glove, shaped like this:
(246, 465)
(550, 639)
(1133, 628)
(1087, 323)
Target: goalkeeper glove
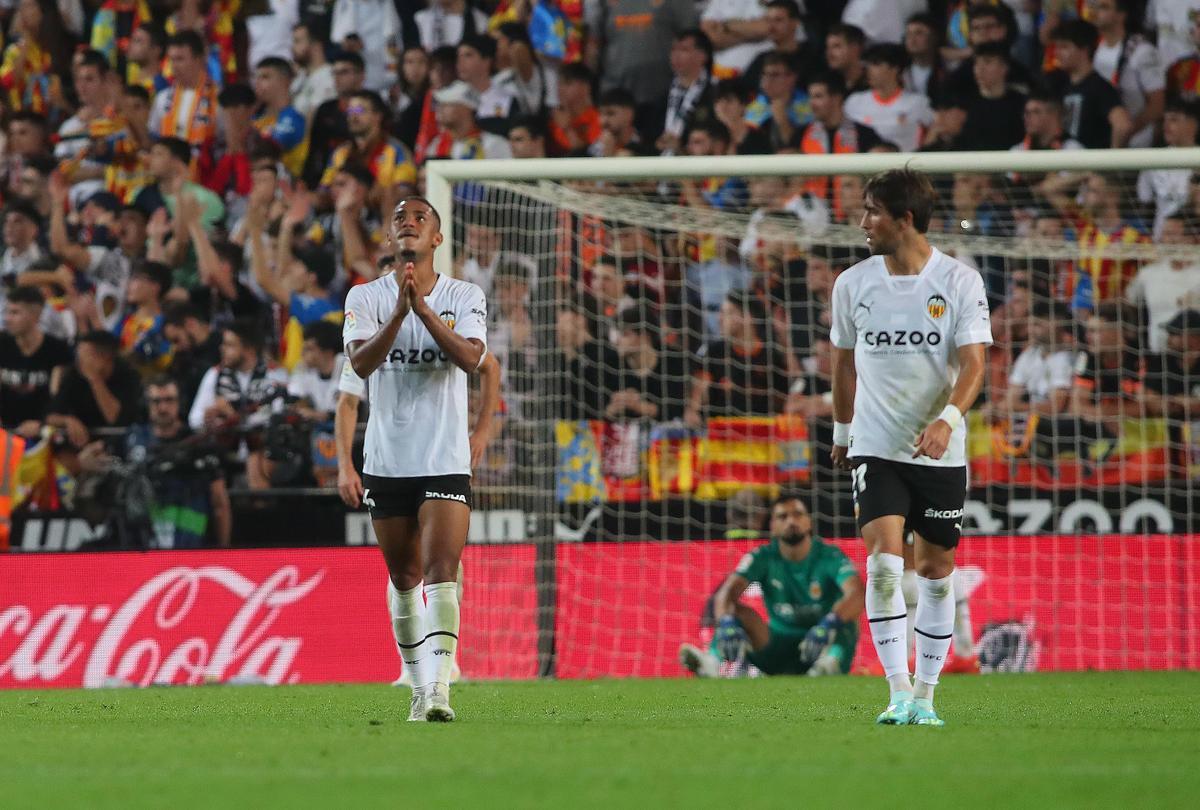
(818, 638)
(730, 638)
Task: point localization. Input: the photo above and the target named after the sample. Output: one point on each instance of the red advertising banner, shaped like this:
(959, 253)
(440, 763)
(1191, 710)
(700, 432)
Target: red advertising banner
(1061, 603)
(273, 616)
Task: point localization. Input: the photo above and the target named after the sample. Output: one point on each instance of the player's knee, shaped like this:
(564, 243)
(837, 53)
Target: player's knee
(883, 579)
(441, 571)
(908, 586)
(406, 578)
(935, 569)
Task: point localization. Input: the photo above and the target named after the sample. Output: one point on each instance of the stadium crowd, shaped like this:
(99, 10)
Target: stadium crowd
(191, 187)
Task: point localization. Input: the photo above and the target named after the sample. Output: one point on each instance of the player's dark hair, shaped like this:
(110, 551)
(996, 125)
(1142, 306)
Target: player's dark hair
(94, 59)
(249, 332)
(786, 497)
(901, 191)
(419, 198)
(851, 33)
(187, 39)
(180, 149)
(326, 334)
(26, 294)
(835, 83)
(1080, 33)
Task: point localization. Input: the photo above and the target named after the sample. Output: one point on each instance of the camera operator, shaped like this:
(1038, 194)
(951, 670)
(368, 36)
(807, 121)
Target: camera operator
(185, 473)
(239, 394)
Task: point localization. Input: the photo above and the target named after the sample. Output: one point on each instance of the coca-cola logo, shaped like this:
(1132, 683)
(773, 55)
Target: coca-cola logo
(168, 631)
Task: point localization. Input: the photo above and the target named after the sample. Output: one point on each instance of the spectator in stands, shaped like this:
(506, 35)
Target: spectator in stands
(786, 35)
(1098, 221)
(191, 502)
(994, 114)
(580, 370)
(1094, 115)
(713, 279)
(460, 137)
(810, 316)
(1042, 377)
(100, 391)
(811, 393)
(410, 94)
(329, 126)
(187, 109)
(313, 84)
(690, 97)
(1173, 23)
(480, 255)
(277, 121)
(945, 134)
(142, 342)
(832, 132)
(843, 54)
(575, 121)
(1164, 287)
(90, 78)
(618, 135)
(633, 44)
(29, 75)
(448, 22)
(1183, 73)
(781, 108)
(314, 383)
(476, 66)
(527, 137)
(711, 139)
(987, 23)
(896, 115)
(1132, 65)
(926, 71)
(26, 139)
(742, 374)
(731, 100)
(242, 390)
(1042, 118)
(195, 347)
(532, 84)
(22, 226)
(144, 59)
(388, 160)
(650, 384)
(220, 295)
(1174, 376)
(738, 31)
(1168, 189)
(32, 363)
(232, 172)
(372, 28)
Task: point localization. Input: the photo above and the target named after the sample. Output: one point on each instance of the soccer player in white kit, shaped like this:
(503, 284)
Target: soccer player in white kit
(414, 335)
(910, 327)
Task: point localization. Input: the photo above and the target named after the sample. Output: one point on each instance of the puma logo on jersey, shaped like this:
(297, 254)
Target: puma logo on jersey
(900, 337)
(445, 496)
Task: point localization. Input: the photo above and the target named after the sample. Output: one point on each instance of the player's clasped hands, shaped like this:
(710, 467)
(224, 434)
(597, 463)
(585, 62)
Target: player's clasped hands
(933, 440)
(818, 638)
(731, 638)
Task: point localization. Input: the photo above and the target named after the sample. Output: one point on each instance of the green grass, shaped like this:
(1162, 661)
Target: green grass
(1088, 740)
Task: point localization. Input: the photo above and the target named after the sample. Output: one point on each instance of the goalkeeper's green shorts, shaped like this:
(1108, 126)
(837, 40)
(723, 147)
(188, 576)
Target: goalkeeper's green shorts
(781, 656)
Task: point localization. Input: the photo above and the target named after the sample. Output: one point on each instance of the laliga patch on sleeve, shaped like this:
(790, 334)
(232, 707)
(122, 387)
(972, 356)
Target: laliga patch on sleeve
(349, 323)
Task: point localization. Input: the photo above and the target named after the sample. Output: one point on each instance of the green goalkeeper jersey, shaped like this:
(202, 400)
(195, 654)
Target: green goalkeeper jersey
(798, 594)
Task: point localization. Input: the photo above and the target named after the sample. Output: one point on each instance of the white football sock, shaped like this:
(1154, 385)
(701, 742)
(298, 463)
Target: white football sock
(964, 637)
(407, 609)
(908, 585)
(441, 629)
(885, 610)
(935, 623)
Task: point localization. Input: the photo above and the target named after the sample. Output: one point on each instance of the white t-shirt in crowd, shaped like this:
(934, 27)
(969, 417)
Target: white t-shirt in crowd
(882, 20)
(307, 383)
(437, 28)
(1160, 286)
(737, 58)
(905, 332)
(1168, 189)
(418, 424)
(901, 119)
(378, 26)
(271, 34)
(1172, 20)
(1041, 373)
(1140, 71)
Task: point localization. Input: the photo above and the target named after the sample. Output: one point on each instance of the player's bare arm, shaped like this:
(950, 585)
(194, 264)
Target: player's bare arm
(345, 419)
(727, 596)
(853, 601)
(935, 438)
(845, 380)
(489, 401)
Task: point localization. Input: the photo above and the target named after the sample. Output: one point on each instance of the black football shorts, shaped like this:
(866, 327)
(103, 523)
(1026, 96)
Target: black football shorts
(402, 497)
(930, 499)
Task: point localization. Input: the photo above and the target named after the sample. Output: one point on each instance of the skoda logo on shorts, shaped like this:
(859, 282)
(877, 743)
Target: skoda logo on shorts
(936, 306)
(447, 317)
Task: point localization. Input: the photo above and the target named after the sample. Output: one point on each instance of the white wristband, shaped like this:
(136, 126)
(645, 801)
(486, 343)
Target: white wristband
(951, 415)
(841, 434)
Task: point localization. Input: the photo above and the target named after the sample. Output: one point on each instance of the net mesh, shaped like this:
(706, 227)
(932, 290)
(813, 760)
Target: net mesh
(609, 301)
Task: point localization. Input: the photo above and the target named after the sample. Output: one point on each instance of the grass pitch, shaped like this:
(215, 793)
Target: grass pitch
(1087, 740)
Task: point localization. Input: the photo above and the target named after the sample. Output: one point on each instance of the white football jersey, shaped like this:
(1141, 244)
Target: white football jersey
(418, 422)
(905, 332)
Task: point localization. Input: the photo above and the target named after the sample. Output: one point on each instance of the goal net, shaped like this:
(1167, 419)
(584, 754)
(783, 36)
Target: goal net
(663, 329)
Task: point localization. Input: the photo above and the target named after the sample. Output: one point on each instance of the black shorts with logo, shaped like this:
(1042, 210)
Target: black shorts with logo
(930, 499)
(402, 497)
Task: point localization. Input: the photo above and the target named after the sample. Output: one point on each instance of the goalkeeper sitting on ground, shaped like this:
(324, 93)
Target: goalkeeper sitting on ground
(813, 596)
